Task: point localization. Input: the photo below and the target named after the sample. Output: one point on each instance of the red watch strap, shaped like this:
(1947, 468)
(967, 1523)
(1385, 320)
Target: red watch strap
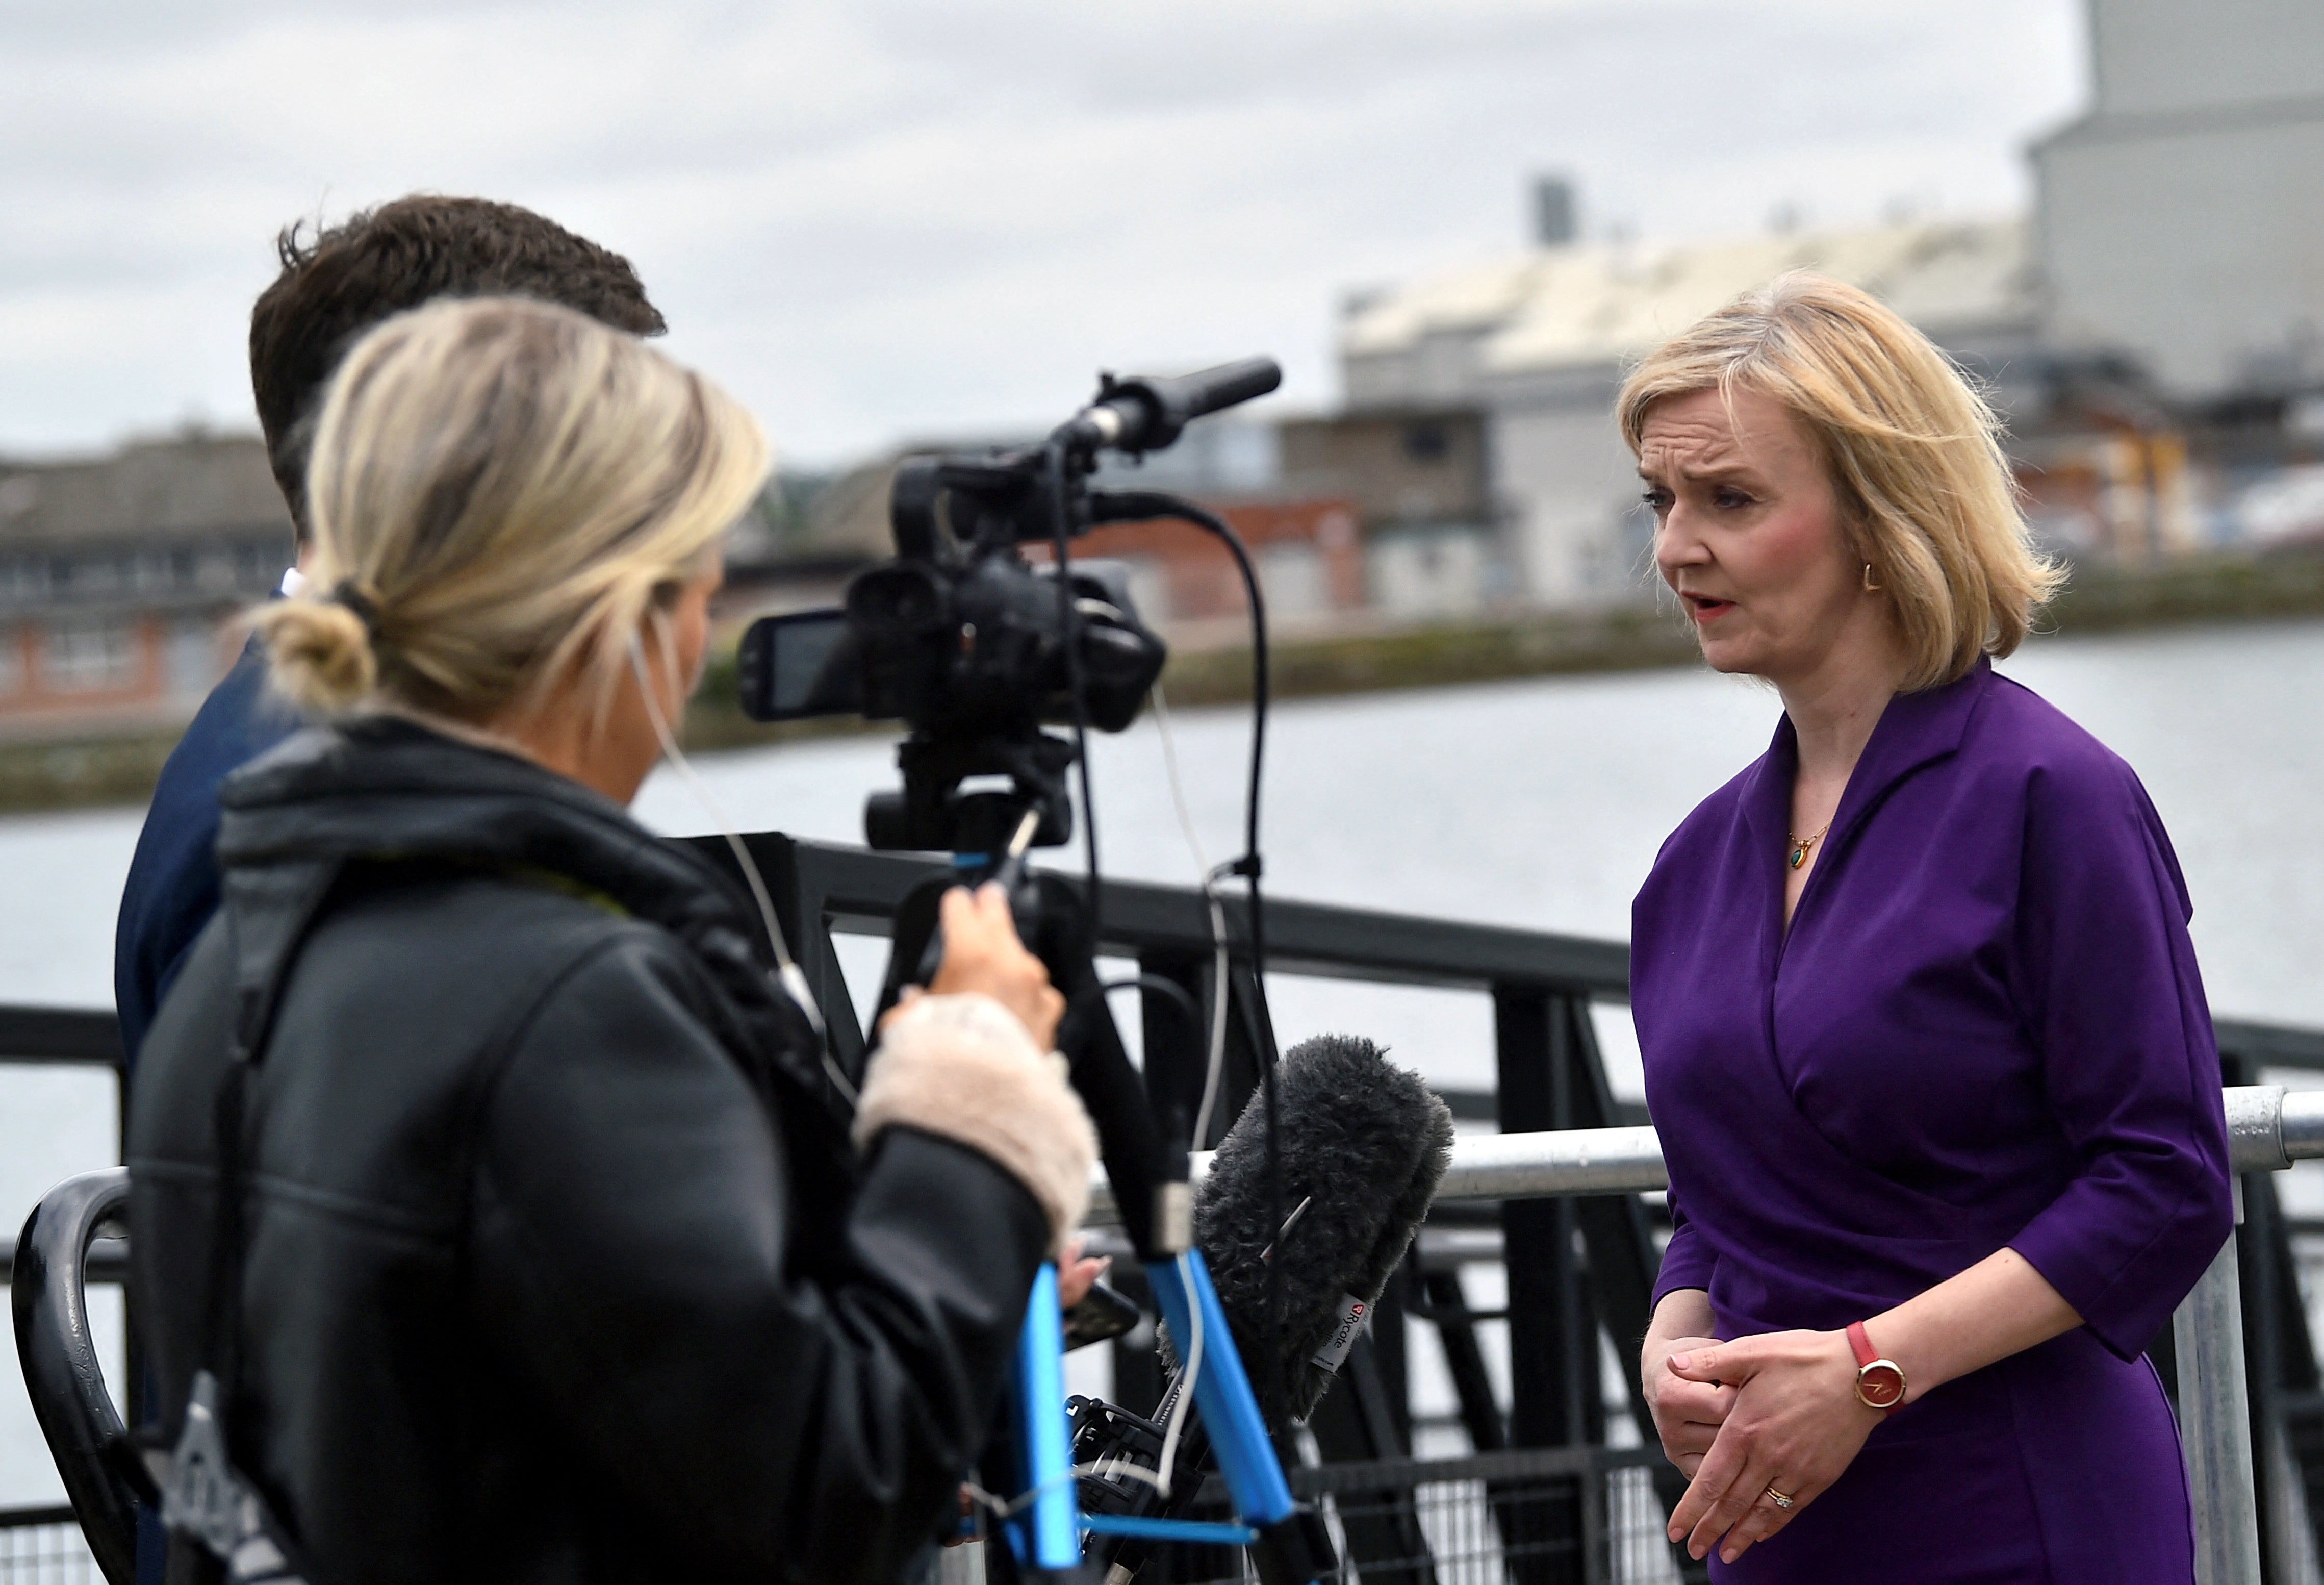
(1861, 1341)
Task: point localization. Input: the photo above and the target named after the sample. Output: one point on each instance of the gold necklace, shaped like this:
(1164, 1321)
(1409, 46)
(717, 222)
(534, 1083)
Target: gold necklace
(1800, 846)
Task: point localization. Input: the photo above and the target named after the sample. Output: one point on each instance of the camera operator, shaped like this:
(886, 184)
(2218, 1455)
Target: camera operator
(549, 1247)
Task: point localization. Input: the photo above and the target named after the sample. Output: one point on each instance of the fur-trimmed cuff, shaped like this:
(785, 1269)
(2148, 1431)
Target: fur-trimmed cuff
(963, 1066)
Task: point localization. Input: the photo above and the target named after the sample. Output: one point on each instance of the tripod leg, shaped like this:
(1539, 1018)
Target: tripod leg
(1238, 1432)
(1294, 1548)
(1046, 1536)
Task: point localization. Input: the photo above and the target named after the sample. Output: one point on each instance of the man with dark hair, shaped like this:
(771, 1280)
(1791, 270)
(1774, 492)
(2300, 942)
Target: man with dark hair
(336, 283)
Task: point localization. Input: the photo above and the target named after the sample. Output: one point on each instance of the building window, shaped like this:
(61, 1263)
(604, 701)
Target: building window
(259, 565)
(1426, 442)
(24, 580)
(88, 657)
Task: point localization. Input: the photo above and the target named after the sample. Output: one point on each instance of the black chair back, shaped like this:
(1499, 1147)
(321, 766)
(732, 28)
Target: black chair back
(49, 1295)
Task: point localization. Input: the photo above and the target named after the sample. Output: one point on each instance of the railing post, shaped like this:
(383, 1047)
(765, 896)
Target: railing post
(1546, 1304)
(2215, 1422)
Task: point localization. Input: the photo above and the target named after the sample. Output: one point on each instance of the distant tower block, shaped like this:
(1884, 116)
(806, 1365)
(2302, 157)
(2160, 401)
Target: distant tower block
(1554, 212)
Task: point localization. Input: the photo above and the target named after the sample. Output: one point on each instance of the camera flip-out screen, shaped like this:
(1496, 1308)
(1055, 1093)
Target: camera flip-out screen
(797, 666)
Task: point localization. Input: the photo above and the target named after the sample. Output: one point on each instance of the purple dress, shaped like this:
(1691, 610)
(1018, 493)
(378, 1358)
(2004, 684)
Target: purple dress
(1985, 1027)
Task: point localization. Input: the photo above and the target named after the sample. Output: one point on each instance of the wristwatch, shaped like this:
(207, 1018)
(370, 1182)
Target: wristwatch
(1879, 1383)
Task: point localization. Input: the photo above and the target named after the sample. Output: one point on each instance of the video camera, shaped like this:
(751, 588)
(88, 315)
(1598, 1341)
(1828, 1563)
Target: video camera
(977, 651)
(973, 648)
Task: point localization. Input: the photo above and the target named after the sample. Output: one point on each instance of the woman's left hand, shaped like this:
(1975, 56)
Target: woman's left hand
(1795, 1426)
(1077, 1275)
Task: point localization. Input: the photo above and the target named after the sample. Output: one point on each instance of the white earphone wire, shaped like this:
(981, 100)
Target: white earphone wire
(793, 978)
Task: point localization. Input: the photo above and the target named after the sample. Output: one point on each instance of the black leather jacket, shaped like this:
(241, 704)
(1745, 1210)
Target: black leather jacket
(559, 1264)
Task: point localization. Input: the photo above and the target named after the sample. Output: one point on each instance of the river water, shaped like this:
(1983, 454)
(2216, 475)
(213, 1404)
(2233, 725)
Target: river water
(1538, 804)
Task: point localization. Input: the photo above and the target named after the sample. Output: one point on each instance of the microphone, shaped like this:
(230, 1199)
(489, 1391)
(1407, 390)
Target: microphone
(1146, 413)
(1365, 1144)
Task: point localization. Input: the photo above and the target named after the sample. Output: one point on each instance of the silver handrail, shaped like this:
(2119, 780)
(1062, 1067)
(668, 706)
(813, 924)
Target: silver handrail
(2268, 1129)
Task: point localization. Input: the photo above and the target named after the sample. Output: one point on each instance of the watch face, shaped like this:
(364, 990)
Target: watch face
(1881, 1385)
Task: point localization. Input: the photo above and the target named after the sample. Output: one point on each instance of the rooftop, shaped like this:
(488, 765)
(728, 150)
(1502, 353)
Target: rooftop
(1594, 305)
(185, 487)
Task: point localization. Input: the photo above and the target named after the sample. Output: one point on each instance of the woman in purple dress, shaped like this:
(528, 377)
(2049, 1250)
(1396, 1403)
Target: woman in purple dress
(1922, 1029)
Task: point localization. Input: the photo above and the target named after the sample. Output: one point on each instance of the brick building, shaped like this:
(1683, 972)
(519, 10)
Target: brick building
(1308, 554)
(119, 574)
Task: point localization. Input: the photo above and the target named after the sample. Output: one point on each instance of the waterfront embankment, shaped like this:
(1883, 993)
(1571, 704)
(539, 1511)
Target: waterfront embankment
(119, 769)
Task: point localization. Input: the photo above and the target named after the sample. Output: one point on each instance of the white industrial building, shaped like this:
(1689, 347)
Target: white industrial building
(2181, 219)
(1538, 345)
(2178, 233)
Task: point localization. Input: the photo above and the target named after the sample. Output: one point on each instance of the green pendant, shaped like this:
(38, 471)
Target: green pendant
(1799, 855)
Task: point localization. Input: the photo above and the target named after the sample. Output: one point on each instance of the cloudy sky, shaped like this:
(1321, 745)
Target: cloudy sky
(882, 219)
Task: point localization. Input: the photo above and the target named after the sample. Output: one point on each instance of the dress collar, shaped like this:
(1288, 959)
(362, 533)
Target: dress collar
(1915, 729)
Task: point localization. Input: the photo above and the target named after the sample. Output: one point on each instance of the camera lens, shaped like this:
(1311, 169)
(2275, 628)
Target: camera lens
(897, 599)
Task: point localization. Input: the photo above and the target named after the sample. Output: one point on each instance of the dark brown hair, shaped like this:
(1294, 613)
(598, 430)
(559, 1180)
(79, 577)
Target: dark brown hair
(339, 281)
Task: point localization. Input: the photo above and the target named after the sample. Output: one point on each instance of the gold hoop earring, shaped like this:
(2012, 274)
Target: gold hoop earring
(1869, 586)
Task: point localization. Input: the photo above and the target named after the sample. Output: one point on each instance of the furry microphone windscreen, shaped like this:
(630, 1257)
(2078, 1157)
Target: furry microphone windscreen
(1365, 1145)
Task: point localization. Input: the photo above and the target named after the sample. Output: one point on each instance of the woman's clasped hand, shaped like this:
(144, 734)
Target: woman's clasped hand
(1790, 1421)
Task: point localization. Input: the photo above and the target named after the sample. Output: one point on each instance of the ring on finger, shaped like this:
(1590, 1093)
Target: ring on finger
(1778, 1498)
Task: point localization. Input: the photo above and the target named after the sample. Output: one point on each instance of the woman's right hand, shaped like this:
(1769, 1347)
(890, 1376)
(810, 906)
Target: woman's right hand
(1687, 1413)
(982, 953)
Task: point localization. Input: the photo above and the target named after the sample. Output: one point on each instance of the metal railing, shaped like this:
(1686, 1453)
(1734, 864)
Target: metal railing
(1555, 1198)
(1507, 1518)
(45, 1547)
(2268, 1129)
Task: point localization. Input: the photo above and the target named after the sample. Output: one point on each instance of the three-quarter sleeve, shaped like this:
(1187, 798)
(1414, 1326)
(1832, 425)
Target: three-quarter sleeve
(2105, 980)
(1688, 1259)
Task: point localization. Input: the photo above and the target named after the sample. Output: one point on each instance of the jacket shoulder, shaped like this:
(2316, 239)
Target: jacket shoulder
(405, 995)
(2082, 802)
(2016, 729)
(1708, 820)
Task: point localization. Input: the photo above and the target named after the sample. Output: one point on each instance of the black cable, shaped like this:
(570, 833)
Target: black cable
(1171, 991)
(1135, 505)
(1259, 1018)
(1061, 527)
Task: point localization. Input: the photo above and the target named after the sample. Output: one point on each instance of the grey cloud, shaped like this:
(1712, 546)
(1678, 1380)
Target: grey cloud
(910, 216)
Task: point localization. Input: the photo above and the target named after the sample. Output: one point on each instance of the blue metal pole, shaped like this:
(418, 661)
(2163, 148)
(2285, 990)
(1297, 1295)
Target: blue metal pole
(1238, 1438)
(1051, 1527)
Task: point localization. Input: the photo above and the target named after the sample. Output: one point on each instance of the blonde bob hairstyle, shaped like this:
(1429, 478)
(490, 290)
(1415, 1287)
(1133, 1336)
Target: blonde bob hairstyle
(1912, 452)
(501, 493)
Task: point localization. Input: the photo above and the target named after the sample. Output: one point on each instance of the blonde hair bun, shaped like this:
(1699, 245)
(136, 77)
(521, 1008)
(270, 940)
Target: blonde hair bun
(318, 653)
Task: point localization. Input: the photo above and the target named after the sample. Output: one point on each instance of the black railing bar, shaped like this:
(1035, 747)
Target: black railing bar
(1455, 1313)
(1511, 1464)
(108, 1263)
(35, 1033)
(29, 1518)
(2272, 1045)
(861, 891)
(51, 1035)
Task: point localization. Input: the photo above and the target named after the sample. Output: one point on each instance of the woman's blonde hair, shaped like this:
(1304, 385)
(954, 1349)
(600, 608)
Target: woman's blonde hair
(1913, 453)
(499, 492)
